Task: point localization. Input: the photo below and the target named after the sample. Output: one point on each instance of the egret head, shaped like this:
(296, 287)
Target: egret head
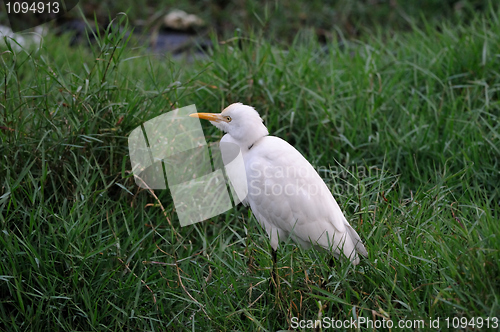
(240, 121)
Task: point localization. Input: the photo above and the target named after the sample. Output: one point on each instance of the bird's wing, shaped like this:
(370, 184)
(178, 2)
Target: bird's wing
(288, 197)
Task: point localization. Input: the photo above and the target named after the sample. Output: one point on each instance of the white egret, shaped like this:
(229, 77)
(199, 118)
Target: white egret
(285, 193)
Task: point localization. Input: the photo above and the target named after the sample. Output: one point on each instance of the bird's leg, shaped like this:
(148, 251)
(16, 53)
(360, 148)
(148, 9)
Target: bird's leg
(274, 272)
(331, 263)
(322, 281)
(275, 263)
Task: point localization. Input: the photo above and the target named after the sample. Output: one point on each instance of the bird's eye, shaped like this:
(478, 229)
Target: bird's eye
(228, 118)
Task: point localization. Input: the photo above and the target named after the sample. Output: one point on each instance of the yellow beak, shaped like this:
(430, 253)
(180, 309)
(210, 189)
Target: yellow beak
(217, 117)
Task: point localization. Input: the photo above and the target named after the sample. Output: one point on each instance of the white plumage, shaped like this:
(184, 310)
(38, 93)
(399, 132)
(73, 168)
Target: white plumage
(285, 193)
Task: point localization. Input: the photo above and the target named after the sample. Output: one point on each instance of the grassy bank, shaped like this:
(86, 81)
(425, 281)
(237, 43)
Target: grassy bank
(403, 127)
(279, 21)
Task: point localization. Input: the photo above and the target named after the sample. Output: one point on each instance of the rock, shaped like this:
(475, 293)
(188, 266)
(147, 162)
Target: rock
(180, 20)
(22, 41)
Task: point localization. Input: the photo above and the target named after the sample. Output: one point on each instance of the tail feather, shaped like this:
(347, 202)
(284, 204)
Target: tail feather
(358, 244)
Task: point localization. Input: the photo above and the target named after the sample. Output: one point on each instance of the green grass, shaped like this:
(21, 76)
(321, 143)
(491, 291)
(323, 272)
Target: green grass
(404, 128)
(280, 20)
